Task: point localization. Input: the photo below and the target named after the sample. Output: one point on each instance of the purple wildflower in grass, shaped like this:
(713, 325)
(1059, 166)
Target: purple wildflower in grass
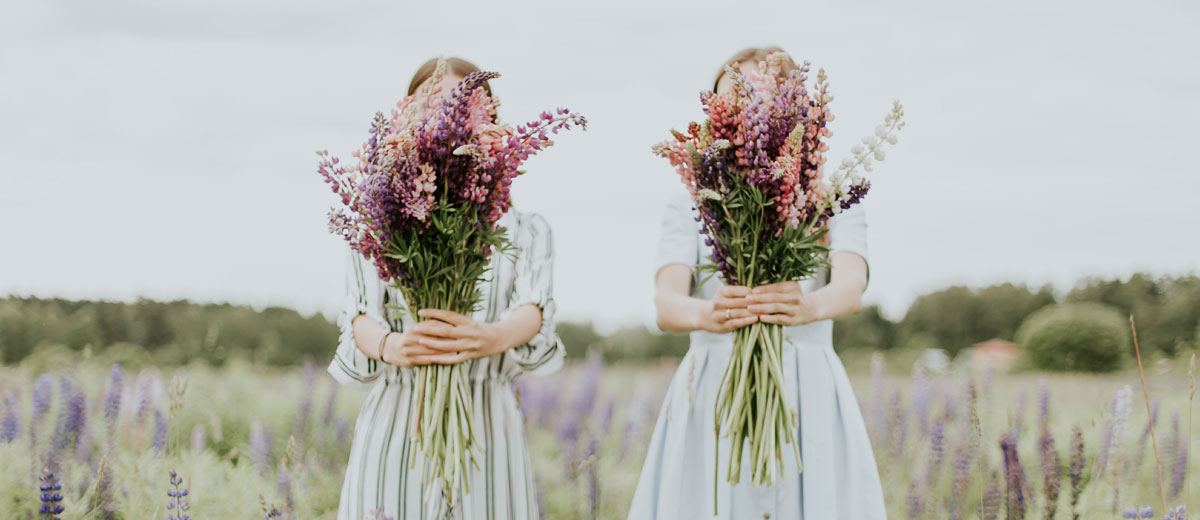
(593, 465)
(10, 423)
(198, 439)
(1018, 420)
(1014, 477)
(50, 496)
(1075, 470)
(331, 404)
(308, 382)
(261, 447)
(112, 400)
(897, 425)
(143, 393)
(159, 443)
(83, 446)
(962, 476)
(922, 388)
(43, 386)
(914, 501)
(571, 424)
(177, 504)
(342, 430)
(1122, 409)
(1135, 462)
(989, 509)
(1176, 514)
(1051, 473)
(1146, 512)
(937, 452)
(1129, 512)
(72, 417)
(1179, 446)
(283, 480)
(606, 417)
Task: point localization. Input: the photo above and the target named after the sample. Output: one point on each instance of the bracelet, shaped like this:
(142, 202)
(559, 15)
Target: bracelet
(382, 342)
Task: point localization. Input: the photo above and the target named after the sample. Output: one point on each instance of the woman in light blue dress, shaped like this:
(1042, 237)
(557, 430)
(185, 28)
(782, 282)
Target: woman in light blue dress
(840, 479)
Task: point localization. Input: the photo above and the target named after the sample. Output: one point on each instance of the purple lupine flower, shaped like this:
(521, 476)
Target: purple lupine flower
(1051, 472)
(937, 451)
(50, 496)
(308, 381)
(992, 498)
(83, 446)
(102, 501)
(72, 418)
(1129, 512)
(593, 479)
(1135, 462)
(897, 425)
(914, 501)
(261, 446)
(342, 430)
(1176, 514)
(1179, 466)
(283, 480)
(962, 476)
(922, 391)
(143, 393)
(1075, 470)
(1014, 476)
(10, 423)
(1146, 512)
(606, 417)
(585, 399)
(331, 405)
(198, 439)
(112, 400)
(160, 432)
(42, 388)
(1019, 414)
(177, 504)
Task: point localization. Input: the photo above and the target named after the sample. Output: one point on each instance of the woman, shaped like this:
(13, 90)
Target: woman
(511, 335)
(840, 479)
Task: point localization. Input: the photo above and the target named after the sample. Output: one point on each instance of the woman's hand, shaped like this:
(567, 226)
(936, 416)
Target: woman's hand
(727, 310)
(783, 303)
(447, 338)
(404, 349)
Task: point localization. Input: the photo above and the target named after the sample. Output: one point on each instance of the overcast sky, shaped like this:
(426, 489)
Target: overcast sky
(165, 149)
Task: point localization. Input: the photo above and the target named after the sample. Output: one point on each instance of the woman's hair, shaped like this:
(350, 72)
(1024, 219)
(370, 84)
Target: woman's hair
(754, 55)
(456, 66)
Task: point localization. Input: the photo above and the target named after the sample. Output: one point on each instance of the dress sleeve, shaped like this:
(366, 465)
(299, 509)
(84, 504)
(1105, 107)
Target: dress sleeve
(350, 366)
(848, 232)
(679, 235)
(534, 283)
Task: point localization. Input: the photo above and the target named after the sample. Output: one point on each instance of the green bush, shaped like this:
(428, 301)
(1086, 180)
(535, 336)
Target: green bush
(1088, 337)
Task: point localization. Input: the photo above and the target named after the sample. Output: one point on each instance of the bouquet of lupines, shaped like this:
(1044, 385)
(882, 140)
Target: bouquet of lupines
(754, 169)
(422, 205)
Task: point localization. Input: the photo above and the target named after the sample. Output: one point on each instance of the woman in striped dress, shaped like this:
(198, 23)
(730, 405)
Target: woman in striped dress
(840, 479)
(511, 335)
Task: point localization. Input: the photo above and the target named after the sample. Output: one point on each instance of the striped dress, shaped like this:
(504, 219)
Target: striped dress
(377, 477)
(840, 479)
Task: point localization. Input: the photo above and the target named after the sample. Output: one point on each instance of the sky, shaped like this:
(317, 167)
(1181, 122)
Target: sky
(165, 149)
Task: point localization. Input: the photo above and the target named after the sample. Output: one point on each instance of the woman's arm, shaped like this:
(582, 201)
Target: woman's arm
(679, 312)
(786, 303)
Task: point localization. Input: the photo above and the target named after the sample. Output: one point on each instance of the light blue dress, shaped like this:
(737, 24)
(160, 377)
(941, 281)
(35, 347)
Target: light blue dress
(840, 478)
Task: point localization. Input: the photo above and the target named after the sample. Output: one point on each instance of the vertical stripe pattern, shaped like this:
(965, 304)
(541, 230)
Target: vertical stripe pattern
(385, 469)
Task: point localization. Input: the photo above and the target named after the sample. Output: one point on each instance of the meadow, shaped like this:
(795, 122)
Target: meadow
(251, 441)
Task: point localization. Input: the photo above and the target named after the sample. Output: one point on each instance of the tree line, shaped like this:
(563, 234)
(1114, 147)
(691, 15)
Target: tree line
(1167, 311)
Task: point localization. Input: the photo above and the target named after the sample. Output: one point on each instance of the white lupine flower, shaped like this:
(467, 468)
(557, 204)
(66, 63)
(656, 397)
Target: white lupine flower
(867, 166)
(847, 163)
(879, 155)
(892, 139)
(866, 140)
(857, 150)
(881, 131)
(707, 194)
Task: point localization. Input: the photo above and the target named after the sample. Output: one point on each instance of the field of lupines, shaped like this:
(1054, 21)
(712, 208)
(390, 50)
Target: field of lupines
(94, 440)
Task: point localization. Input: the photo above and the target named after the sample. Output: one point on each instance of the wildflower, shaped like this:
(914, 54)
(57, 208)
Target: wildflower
(50, 496)
(177, 504)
